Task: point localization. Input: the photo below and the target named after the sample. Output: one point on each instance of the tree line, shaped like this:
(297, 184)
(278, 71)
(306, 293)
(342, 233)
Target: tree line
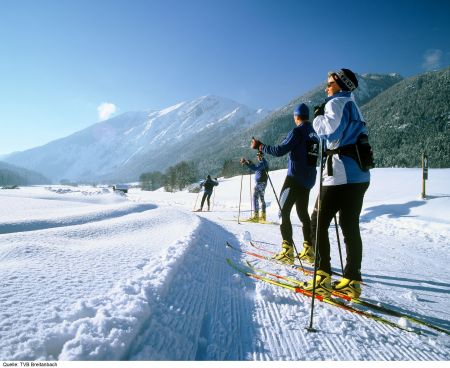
(186, 173)
(8, 177)
(176, 177)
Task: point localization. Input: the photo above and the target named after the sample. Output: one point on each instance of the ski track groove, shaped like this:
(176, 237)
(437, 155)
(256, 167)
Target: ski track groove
(267, 319)
(203, 289)
(274, 316)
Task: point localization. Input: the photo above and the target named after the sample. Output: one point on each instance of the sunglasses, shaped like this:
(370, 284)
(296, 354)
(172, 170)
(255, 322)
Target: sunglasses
(330, 83)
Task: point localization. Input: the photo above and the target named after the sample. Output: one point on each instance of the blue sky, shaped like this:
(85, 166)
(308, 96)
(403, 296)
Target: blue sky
(61, 60)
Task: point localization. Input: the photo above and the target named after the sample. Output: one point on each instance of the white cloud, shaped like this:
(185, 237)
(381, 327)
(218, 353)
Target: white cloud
(432, 59)
(105, 110)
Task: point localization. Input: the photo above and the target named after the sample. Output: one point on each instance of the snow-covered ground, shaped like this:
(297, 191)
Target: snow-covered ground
(87, 274)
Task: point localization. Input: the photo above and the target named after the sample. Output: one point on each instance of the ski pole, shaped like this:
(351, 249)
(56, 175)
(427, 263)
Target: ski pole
(250, 187)
(316, 243)
(273, 189)
(195, 205)
(214, 196)
(240, 197)
(339, 243)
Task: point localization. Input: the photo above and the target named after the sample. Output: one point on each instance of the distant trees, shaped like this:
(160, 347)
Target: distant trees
(23, 177)
(231, 168)
(152, 180)
(185, 174)
(8, 177)
(176, 177)
(13, 175)
(410, 118)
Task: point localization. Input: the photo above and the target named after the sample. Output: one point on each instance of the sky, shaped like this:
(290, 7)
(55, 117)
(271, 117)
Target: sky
(65, 65)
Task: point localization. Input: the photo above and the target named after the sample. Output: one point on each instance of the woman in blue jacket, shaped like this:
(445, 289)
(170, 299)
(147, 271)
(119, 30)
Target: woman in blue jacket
(340, 124)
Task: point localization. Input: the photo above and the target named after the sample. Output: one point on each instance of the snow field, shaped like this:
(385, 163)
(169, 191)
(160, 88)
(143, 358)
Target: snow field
(81, 282)
(87, 274)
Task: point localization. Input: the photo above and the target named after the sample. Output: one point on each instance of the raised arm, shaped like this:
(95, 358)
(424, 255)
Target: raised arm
(285, 147)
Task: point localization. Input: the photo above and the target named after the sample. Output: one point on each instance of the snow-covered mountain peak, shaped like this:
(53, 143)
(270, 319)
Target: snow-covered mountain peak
(106, 146)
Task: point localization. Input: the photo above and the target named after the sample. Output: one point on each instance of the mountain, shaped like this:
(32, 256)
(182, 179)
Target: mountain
(410, 118)
(13, 175)
(404, 117)
(125, 146)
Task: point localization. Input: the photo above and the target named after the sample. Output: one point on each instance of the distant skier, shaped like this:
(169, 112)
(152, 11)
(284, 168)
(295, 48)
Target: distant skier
(208, 184)
(346, 178)
(260, 170)
(302, 145)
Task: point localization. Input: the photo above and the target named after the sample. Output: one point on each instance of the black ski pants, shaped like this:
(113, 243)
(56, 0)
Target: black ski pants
(294, 193)
(347, 199)
(207, 196)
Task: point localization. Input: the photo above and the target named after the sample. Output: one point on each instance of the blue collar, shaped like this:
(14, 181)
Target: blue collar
(339, 94)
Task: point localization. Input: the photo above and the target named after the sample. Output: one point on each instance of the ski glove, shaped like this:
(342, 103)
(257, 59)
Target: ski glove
(243, 161)
(255, 144)
(319, 110)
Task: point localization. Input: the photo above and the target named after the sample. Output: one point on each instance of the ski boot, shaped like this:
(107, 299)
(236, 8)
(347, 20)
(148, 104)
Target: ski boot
(263, 217)
(351, 288)
(307, 254)
(208, 209)
(323, 284)
(287, 253)
(255, 217)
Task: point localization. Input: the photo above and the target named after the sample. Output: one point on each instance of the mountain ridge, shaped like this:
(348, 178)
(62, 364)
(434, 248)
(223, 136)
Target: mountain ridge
(104, 147)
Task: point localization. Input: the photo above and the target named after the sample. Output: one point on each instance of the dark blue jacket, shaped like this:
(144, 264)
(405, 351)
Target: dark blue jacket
(260, 170)
(296, 144)
(209, 185)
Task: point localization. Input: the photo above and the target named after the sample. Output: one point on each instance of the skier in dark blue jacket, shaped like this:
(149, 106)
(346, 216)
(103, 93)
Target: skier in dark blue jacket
(302, 144)
(261, 168)
(208, 184)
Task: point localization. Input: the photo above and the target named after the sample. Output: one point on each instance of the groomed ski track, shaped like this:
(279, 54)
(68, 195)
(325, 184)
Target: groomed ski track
(183, 302)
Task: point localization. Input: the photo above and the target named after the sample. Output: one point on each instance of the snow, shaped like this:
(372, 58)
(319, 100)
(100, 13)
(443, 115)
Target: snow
(88, 274)
(170, 109)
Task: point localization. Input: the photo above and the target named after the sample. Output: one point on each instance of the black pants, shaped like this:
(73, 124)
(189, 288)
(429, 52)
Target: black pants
(294, 193)
(207, 196)
(346, 199)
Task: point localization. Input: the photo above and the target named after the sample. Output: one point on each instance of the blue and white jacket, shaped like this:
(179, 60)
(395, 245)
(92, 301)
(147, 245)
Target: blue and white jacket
(260, 170)
(296, 144)
(341, 125)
